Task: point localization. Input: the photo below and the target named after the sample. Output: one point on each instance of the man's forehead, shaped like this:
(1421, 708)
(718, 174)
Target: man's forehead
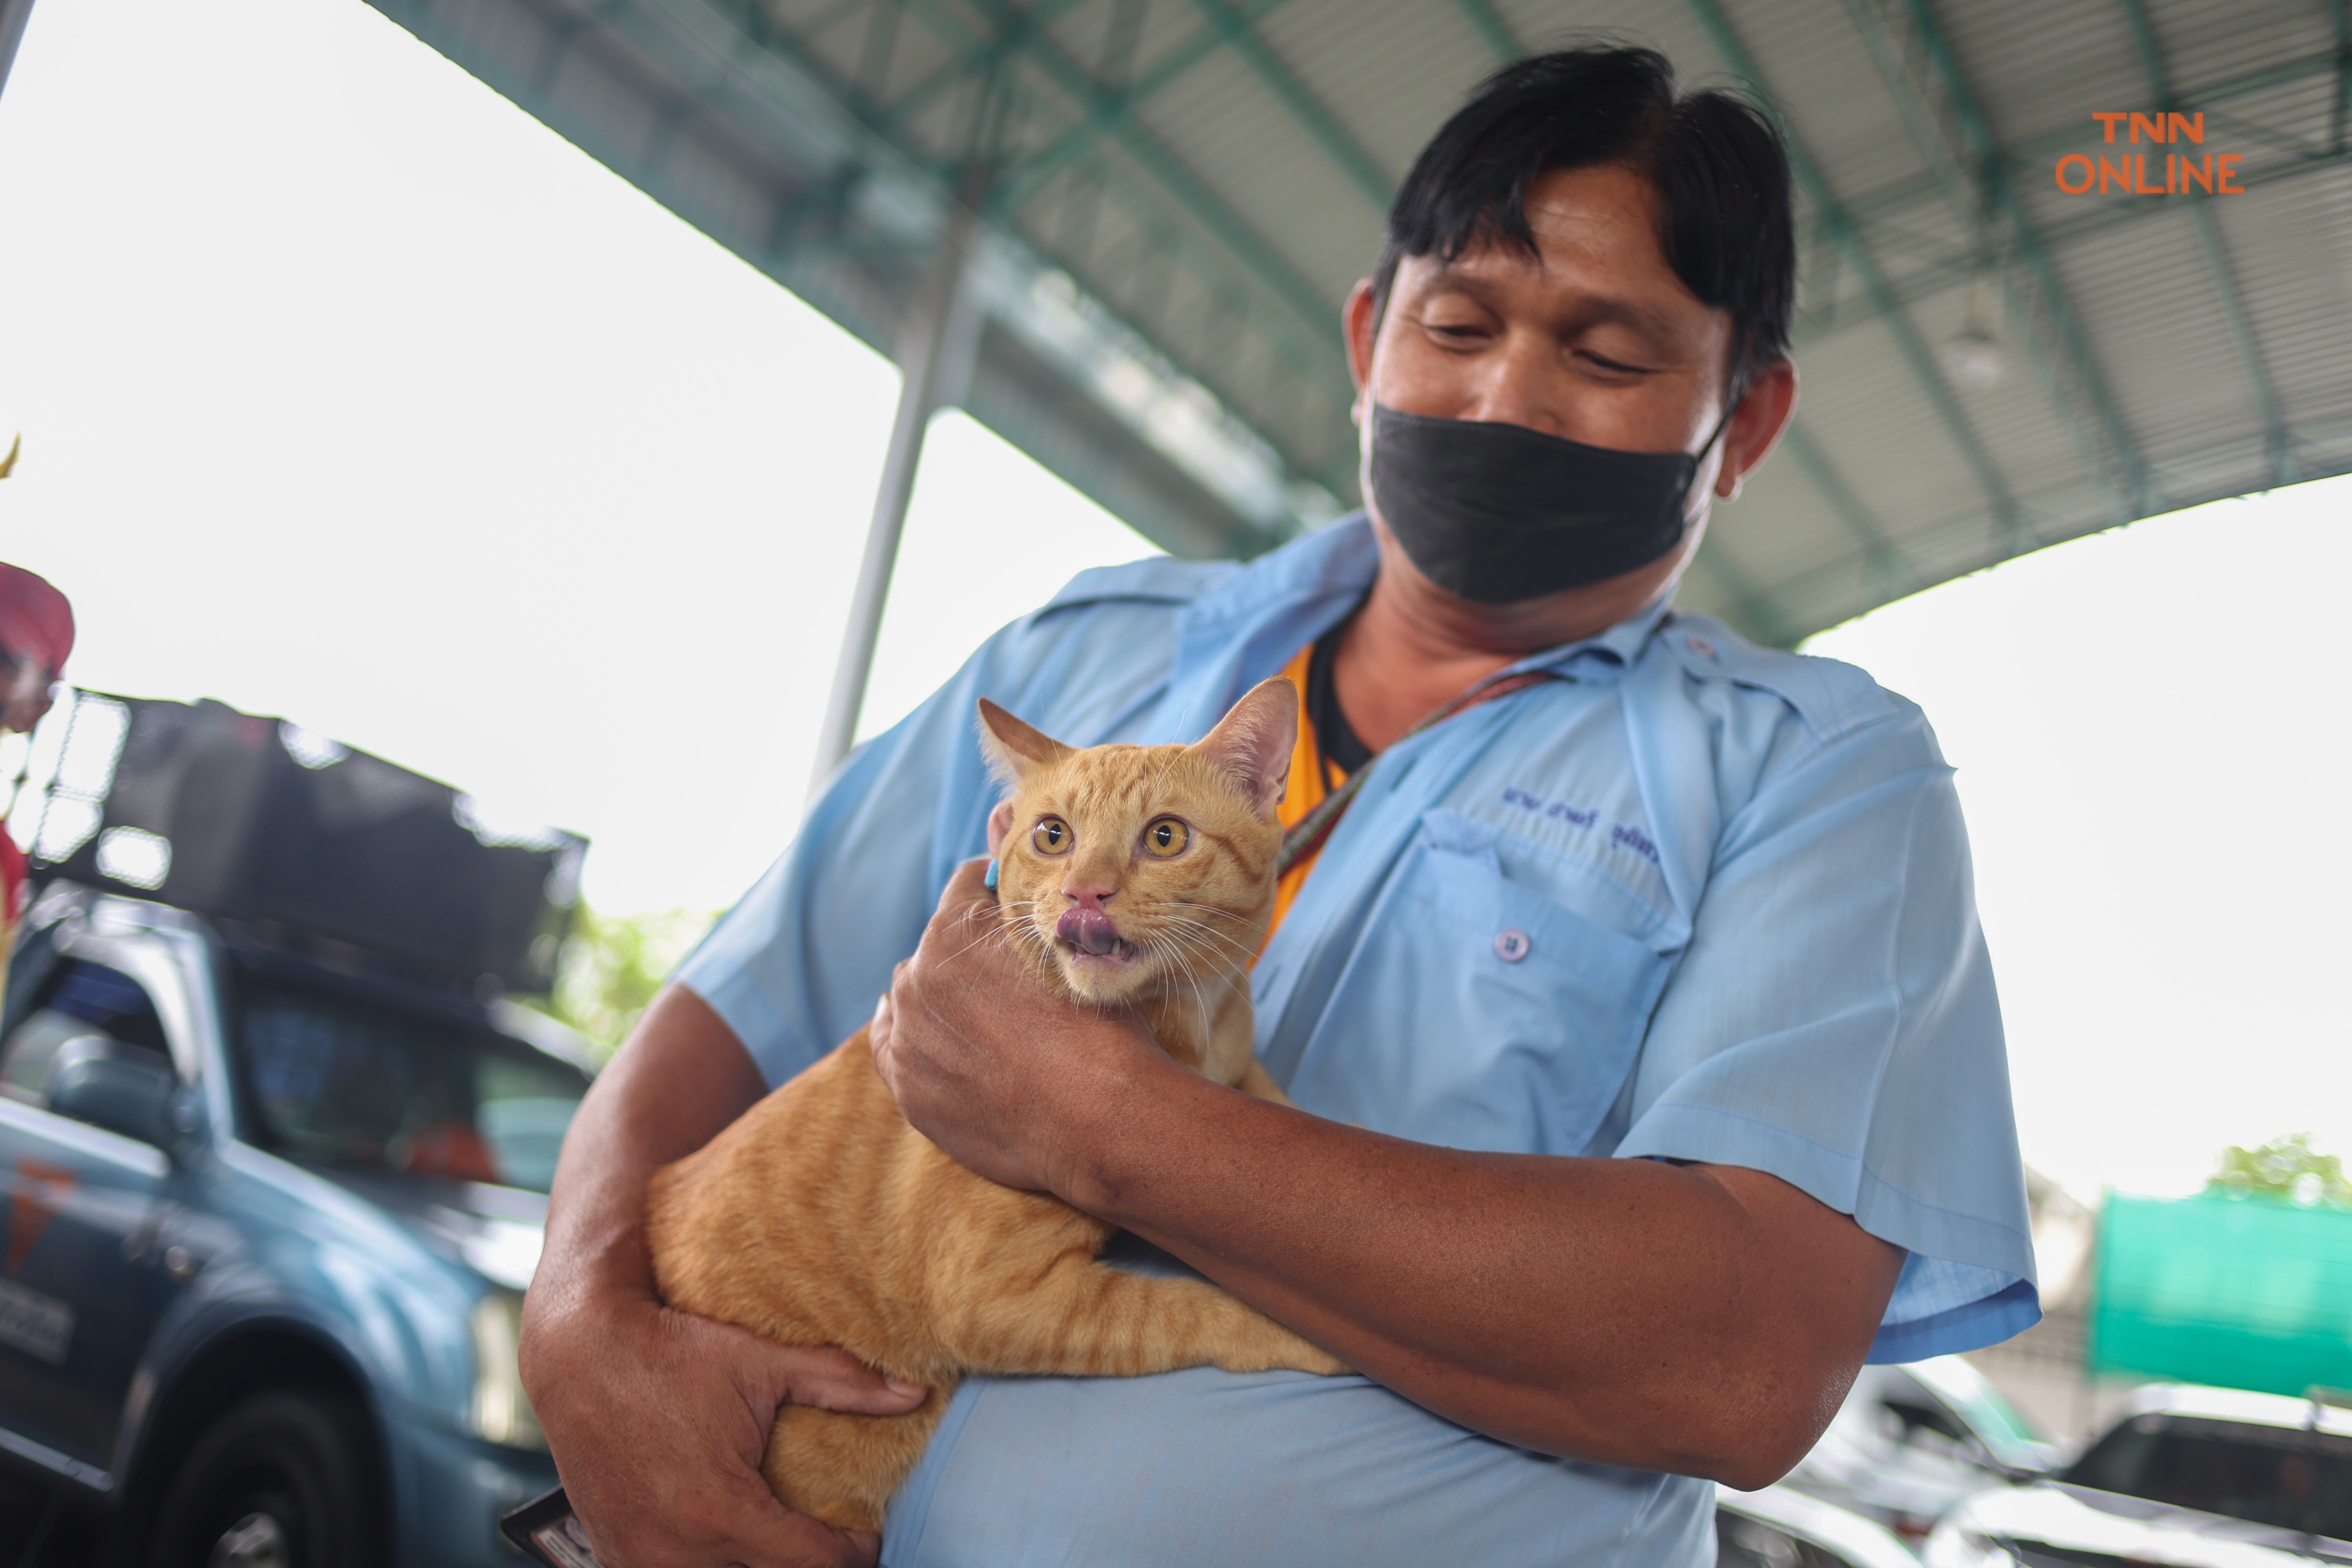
(1596, 243)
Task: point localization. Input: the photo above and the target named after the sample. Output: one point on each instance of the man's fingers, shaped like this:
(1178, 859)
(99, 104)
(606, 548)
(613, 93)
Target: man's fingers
(969, 885)
(832, 1378)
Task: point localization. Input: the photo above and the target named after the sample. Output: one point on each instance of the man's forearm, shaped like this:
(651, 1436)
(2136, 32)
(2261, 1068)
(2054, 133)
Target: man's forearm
(682, 1076)
(1700, 1320)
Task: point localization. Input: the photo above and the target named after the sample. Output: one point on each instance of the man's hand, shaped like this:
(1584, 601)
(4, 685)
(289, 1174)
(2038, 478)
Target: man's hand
(989, 1064)
(658, 1419)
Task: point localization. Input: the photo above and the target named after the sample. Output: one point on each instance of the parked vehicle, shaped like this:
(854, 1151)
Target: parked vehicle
(2188, 1478)
(269, 1223)
(1783, 1528)
(1911, 1441)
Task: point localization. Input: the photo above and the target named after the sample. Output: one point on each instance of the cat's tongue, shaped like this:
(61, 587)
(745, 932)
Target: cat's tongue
(1088, 930)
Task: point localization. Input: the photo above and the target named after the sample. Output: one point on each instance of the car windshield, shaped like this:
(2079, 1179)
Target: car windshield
(362, 1085)
(1993, 1419)
(2270, 1475)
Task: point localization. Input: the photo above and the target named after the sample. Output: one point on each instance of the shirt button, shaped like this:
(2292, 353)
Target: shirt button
(1512, 945)
(1702, 648)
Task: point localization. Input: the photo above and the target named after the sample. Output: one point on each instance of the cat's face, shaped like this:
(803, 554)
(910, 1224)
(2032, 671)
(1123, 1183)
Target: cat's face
(1133, 871)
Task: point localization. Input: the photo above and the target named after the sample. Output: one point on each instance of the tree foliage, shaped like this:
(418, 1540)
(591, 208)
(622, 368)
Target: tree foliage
(2284, 1167)
(612, 965)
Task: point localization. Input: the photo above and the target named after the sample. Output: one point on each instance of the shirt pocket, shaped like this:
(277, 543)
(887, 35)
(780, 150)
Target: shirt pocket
(1476, 1012)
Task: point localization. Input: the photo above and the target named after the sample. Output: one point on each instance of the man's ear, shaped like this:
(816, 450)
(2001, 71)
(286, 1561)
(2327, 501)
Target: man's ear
(1756, 424)
(1359, 324)
(1000, 823)
(1012, 747)
(1253, 743)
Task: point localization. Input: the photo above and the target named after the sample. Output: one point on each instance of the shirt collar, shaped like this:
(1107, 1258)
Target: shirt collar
(1616, 649)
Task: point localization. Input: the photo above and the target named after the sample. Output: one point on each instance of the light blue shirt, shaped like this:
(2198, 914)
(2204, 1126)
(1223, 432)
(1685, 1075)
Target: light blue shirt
(1698, 900)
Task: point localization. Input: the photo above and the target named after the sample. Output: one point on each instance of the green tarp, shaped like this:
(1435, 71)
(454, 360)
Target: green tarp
(2240, 1292)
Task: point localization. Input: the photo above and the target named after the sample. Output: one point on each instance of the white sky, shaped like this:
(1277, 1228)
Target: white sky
(351, 393)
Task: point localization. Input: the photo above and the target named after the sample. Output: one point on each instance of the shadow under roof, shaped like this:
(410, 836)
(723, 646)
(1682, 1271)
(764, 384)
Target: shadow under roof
(1184, 192)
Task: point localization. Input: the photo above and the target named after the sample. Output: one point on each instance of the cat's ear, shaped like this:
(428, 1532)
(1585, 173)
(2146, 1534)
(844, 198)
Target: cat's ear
(1000, 823)
(1253, 743)
(1012, 747)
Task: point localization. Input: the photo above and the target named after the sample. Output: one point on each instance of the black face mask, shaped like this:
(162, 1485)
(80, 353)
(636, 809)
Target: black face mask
(1497, 513)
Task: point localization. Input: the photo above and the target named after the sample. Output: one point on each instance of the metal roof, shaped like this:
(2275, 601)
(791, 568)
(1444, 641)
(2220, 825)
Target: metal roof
(1180, 194)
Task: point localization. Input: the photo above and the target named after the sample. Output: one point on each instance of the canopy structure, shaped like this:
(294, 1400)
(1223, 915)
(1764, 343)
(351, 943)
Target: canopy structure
(2010, 333)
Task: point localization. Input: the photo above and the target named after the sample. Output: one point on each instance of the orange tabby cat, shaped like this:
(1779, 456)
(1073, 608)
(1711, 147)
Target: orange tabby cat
(1140, 875)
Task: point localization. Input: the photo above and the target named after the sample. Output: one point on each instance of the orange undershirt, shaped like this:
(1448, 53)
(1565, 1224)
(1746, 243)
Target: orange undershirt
(1309, 785)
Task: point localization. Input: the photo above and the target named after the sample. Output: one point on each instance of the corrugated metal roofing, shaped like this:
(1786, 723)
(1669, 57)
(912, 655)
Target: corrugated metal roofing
(1183, 190)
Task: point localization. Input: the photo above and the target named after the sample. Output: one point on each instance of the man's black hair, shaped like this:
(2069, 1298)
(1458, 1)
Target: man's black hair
(1715, 159)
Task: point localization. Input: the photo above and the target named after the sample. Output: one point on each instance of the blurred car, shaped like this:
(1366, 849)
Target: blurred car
(269, 1223)
(2188, 1478)
(1782, 1528)
(1911, 1441)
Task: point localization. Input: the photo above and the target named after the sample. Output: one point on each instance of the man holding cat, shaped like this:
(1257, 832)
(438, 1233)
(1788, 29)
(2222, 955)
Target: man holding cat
(1654, 1071)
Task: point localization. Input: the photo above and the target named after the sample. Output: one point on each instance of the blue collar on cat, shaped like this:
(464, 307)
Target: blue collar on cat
(989, 882)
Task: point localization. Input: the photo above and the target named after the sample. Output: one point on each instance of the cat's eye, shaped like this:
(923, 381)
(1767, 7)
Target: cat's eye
(1166, 837)
(1050, 837)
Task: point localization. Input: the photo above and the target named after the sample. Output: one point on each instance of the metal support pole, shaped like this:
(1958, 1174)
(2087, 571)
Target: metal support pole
(935, 344)
(12, 17)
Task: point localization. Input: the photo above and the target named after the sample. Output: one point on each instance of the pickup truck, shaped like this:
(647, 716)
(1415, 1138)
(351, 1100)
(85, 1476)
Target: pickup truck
(269, 1219)
(2186, 1477)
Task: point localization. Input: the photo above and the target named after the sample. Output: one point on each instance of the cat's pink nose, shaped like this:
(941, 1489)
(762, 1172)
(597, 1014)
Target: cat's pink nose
(1089, 895)
(1089, 930)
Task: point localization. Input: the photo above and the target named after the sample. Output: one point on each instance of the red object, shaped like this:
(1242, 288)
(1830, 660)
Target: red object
(12, 876)
(451, 1148)
(36, 621)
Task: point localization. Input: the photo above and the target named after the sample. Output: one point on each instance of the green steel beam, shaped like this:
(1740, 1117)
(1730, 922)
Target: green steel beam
(2120, 469)
(1270, 266)
(1492, 30)
(2340, 15)
(759, 30)
(1304, 107)
(832, 14)
(2100, 217)
(1309, 346)
(1082, 139)
(2223, 126)
(2217, 262)
(1915, 352)
(880, 43)
(903, 109)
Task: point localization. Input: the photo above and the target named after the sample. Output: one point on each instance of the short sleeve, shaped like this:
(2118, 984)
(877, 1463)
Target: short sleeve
(1834, 1023)
(796, 967)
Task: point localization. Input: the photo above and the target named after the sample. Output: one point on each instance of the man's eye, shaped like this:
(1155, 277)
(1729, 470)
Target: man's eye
(1052, 837)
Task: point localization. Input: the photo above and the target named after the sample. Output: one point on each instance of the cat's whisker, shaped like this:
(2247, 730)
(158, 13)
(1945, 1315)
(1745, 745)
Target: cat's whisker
(1199, 929)
(1203, 928)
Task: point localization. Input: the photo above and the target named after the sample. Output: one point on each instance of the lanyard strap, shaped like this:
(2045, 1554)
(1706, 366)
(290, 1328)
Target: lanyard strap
(1307, 836)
